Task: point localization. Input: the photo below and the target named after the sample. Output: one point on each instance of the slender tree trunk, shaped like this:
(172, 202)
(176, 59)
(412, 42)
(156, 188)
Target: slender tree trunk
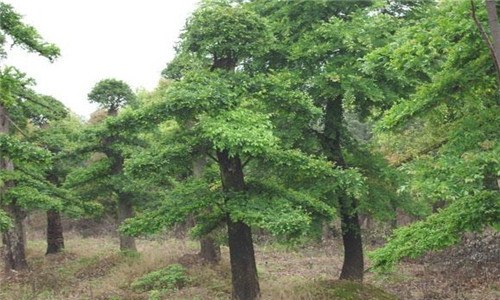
(125, 207)
(494, 28)
(243, 268)
(55, 239)
(125, 211)
(353, 266)
(13, 239)
(209, 249)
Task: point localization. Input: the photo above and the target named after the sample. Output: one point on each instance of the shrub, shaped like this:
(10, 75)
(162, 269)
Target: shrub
(167, 279)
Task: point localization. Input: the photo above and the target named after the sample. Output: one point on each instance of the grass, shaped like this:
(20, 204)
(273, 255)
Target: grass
(94, 268)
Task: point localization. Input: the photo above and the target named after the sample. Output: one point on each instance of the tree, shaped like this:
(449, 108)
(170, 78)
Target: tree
(324, 43)
(58, 136)
(258, 179)
(15, 94)
(449, 123)
(105, 176)
(112, 94)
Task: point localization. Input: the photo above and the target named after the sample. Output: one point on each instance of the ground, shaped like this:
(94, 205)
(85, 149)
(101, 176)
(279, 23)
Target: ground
(93, 268)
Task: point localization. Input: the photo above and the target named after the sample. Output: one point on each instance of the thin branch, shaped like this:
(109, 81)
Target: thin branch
(17, 127)
(246, 162)
(486, 39)
(421, 152)
(212, 157)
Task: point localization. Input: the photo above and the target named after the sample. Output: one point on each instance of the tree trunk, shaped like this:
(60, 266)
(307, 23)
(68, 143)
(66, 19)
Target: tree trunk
(55, 239)
(243, 268)
(13, 239)
(125, 207)
(125, 211)
(353, 266)
(209, 249)
(494, 28)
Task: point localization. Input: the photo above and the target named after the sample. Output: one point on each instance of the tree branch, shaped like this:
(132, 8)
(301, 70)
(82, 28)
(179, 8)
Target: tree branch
(246, 162)
(487, 41)
(421, 152)
(212, 157)
(17, 127)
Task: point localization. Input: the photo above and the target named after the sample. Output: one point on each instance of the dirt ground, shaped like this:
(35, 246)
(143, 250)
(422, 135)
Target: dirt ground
(93, 268)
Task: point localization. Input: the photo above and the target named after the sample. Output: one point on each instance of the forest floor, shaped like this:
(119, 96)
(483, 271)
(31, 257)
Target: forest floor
(93, 268)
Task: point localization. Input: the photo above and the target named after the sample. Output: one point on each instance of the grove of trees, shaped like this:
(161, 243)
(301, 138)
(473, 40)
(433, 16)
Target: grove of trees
(277, 117)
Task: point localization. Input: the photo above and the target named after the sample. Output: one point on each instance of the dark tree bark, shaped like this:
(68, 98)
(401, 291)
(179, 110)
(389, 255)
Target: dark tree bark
(125, 211)
(55, 239)
(13, 239)
(243, 268)
(353, 266)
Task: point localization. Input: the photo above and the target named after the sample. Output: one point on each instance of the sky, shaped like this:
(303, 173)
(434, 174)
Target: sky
(129, 40)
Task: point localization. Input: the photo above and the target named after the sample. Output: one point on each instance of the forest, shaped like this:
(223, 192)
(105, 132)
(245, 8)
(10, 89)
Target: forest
(292, 149)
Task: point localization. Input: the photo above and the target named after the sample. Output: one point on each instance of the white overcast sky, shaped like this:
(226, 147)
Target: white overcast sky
(129, 40)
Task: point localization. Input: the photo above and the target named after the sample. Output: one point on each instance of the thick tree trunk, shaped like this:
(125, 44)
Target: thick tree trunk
(125, 211)
(243, 268)
(209, 249)
(13, 239)
(55, 239)
(353, 266)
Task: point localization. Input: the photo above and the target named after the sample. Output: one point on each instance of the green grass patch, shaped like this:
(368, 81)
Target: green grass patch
(341, 290)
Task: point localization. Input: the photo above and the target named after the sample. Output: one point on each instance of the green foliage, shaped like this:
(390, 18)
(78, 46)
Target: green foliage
(242, 131)
(162, 281)
(112, 94)
(22, 35)
(5, 221)
(445, 132)
(225, 31)
(469, 213)
(20, 151)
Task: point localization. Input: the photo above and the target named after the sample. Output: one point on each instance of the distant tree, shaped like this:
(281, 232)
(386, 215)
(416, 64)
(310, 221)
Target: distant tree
(104, 177)
(112, 94)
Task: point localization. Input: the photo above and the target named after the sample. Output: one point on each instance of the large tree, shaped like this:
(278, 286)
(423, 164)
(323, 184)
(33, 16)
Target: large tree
(323, 43)
(15, 99)
(238, 118)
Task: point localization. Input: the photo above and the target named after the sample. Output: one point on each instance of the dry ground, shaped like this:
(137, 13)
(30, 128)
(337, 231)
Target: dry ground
(93, 268)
